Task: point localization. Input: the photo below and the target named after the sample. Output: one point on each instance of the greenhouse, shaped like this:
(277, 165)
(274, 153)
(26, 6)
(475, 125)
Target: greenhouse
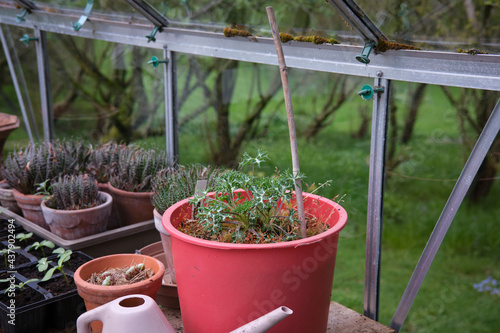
(249, 166)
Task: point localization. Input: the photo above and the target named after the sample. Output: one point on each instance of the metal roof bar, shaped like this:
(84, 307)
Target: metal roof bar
(441, 68)
(358, 19)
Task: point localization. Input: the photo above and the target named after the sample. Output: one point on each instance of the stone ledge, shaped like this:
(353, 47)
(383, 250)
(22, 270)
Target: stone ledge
(340, 320)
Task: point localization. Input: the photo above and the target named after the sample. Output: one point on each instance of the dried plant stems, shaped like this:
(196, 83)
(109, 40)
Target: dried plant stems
(290, 118)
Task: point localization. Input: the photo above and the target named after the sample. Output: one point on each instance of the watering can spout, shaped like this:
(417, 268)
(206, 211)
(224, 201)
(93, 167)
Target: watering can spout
(264, 323)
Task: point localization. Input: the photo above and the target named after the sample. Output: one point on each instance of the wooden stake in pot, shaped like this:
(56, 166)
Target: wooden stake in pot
(291, 121)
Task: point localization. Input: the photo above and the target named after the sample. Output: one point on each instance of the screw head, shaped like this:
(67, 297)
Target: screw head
(380, 73)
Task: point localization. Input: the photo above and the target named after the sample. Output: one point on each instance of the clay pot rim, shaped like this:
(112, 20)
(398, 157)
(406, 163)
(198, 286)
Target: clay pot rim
(81, 283)
(118, 191)
(108, 202)
(339, 225)
(20, 195)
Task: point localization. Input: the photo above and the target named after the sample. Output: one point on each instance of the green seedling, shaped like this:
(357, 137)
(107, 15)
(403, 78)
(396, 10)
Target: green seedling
(42, 189)
(19, 286)
(61, 252)
(5, 253)
(41, 245)
(43, 264)
(60, 267)
(24, 237)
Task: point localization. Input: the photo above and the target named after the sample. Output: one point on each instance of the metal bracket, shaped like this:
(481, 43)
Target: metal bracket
(365, 53)
(367, 91)
(85, 16)
(27, 39)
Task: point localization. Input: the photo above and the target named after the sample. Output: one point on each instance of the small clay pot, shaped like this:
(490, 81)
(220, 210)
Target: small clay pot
(30, 204)
(7, 198)
(96, 295)
(133, 207)
(74, 224)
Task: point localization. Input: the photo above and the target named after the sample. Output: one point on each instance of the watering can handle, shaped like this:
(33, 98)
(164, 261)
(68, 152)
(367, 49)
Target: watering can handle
(83, 322)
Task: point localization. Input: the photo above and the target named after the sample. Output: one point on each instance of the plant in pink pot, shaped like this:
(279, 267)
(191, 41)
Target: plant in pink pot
(239, 253)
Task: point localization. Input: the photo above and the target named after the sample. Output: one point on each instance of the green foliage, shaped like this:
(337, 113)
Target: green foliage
(136, 169)
(43, 264)
(63, 258)
(74, 192)
(261, 205)
(22, 237)
(41, 245)
(175, 184)
(5, 252)
(20, 286)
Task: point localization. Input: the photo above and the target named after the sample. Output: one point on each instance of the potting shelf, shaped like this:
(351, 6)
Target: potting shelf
(340, 320)
(126, 239)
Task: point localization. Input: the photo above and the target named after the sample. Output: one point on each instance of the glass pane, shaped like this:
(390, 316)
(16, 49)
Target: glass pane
(25, 65)
(439, 25)
(105, 91)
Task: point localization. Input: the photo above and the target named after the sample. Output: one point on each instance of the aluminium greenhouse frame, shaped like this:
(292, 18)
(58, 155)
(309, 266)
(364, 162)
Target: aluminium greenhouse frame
(430, 67)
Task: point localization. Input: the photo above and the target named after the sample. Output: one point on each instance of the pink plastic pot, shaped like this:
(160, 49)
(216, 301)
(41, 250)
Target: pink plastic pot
(223, 286)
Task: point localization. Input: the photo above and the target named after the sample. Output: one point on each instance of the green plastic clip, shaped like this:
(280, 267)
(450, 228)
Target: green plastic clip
(365, 53)
(367, 91)
(155, 62)
(27, 39)
(20, 17)
(85, 16)
(152, 36)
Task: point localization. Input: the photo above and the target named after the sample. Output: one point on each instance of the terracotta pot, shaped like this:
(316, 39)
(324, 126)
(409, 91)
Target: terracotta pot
(166, 243)
(133, 207)
(30, 204)
(95, 295)
(74, 224)
(223, 286)
(7, 198)
(114, 220)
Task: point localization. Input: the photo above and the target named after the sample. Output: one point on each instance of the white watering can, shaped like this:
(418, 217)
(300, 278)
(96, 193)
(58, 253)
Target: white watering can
(140, 313)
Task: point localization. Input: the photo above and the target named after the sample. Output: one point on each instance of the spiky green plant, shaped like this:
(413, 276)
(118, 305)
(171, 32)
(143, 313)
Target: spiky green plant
(136, 169)
(174, 184)
(103, 162)
(74, 192)
(78, 151)
(25, 168)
